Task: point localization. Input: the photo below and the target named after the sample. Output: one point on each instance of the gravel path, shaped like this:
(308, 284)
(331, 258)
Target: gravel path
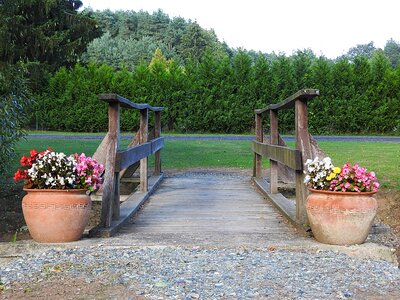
(197, 273)
(135, 268)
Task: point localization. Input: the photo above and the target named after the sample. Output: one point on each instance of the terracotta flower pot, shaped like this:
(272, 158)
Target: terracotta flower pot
(341, 218)
(56, 216)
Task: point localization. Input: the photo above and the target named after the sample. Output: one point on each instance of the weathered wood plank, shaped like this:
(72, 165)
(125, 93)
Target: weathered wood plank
(144, 135)
(284, 205)
(127, 157)
(303, 143)
(208, 204)
(127, 210)
(257, 165)
(274, 136)
(116, 198)
(157, 134)
(109, 191)
(284, 155)
(127, 103)
(101, 151)
(305, 95)
(157, 144)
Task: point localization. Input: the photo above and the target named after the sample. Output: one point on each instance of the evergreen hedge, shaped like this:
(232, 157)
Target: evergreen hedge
(219, 93)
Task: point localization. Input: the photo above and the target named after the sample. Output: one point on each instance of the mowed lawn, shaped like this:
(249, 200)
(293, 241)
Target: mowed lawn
(383, 158)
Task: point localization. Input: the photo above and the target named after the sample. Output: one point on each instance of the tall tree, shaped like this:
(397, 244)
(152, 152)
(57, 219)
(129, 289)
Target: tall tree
(361, 49)
(52, 32)
(392, 51)
(14, 99)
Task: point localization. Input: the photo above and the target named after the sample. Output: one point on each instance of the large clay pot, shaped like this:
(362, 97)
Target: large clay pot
(56, 216)
(341, 218)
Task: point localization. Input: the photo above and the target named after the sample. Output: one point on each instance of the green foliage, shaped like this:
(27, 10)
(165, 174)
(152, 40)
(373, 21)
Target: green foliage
(14, 100)
(50, 32)
(219, 93)
(392, 51)
(132, 37)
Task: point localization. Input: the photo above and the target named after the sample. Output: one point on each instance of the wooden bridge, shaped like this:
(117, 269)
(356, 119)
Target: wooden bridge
(202, 205)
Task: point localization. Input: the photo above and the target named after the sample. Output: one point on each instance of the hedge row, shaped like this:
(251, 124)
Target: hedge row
(219, 94)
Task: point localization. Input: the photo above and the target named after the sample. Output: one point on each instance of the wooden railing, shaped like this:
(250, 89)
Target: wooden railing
(118, 162)
(285, 161)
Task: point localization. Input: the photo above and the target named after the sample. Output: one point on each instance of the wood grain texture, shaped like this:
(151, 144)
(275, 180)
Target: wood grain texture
(274, 138)
(284, 205)
(157, 134)
(257, 165)
(127, 209)
(109, 191)
(144, 137)
(303, 143)
(284, 155)
(305, 95)
(207, 204)
(127, 103)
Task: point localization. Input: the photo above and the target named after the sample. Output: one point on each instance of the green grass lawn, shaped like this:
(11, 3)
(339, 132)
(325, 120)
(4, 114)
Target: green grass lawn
(383, 158)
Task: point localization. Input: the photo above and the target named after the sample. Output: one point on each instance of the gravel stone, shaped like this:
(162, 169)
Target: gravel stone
(203, 273)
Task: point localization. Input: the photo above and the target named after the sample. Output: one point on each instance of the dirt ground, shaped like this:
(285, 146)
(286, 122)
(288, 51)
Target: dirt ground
(13, 227)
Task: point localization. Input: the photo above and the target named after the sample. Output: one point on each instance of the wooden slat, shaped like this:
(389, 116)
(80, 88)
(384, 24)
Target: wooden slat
(116, 198)
(157, 144)
(157, 134)
(101, 151)
(144, 138)
(303, 144)
(305, 95)
(257, 168)
(284, 155)
(109, 191)
(284, 205)
(273, 117)
(221, 205)
(132, 155)
(127, 103)
(128, 209)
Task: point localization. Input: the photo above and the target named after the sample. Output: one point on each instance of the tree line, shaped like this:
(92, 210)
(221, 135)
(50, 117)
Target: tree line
(70, 57)
(55, 59)
(220, 93)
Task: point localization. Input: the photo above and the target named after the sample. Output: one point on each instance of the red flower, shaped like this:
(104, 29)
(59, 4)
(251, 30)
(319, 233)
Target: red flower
(33, 153)
(20, 174)
(25, 162)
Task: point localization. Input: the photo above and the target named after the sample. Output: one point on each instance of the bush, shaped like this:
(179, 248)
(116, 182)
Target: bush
(14, 100)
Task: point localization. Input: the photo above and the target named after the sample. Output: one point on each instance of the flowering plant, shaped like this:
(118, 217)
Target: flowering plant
(55, 170)
(323, 175)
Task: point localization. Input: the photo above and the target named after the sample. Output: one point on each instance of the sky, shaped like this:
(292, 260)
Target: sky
(327, 27)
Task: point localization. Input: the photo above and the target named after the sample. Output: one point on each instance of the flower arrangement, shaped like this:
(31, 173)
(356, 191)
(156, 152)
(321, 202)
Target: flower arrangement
(56, 170)
(323, 175)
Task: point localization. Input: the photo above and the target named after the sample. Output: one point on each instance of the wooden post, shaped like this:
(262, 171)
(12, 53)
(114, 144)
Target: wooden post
(274, 137)
(111, 177)
(257, 165)
(116, 199)
(157, 134)
(303, 144)
(144, 131)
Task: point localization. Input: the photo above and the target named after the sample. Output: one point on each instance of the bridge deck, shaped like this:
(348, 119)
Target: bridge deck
(208, 209)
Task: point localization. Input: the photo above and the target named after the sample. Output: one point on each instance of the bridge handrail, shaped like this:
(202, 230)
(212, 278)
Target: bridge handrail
(289, 102)
(285, 161)
(117, 161)
(127, 103)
